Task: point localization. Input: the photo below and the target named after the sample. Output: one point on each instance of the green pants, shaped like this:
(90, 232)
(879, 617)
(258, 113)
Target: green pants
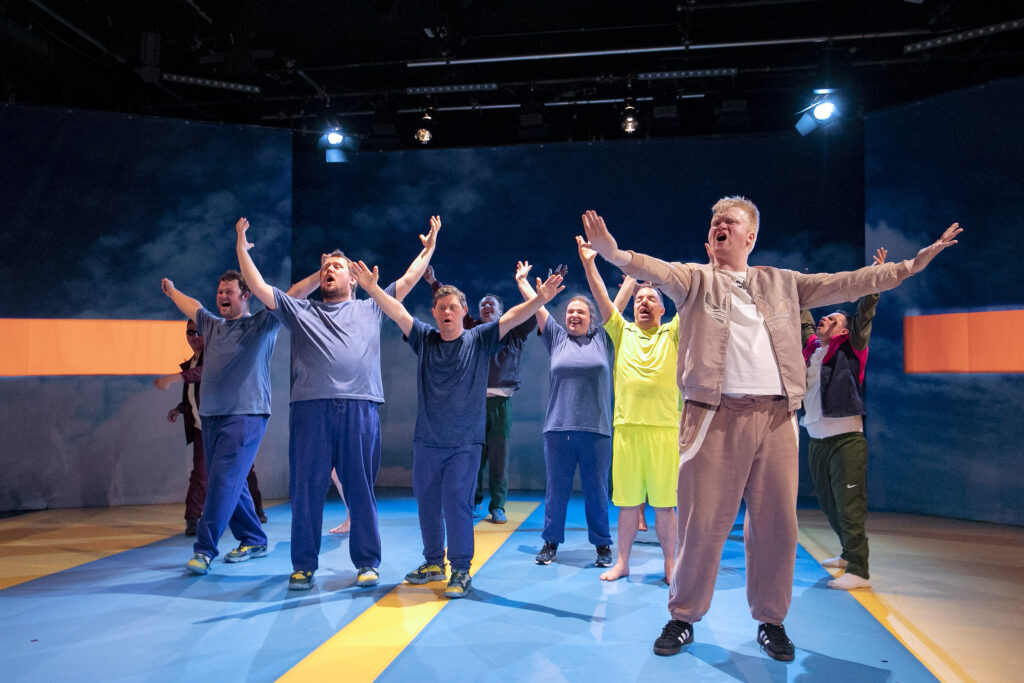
(839, 466)
(495, 453)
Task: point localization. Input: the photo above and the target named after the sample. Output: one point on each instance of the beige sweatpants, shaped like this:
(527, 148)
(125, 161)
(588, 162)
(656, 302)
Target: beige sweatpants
(748, 452)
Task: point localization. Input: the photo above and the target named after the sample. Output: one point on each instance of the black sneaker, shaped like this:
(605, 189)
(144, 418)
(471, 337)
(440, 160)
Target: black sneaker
(772, 639)
(547, 553)
(261, 515)
(675, 634)
(190, 526)
(604, 556)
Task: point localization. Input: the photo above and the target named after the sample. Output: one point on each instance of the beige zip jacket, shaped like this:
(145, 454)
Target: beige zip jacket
(702, 297)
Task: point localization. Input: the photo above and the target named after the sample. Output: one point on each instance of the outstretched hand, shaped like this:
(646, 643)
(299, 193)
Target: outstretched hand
(587, 253)
(241, 227)
(364, 276)
(430, 239)
(548, 289)
(166, 286)
(879, 257)
(925, 256)
(597, 234)
(523, 269)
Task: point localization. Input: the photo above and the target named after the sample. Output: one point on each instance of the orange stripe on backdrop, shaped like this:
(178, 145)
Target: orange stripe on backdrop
(42, 346)
(984, 341)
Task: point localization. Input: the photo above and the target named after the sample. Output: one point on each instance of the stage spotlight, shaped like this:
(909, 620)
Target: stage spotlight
(630, 118)
(823, 111)
(334, 137)
(335, 142)
(425, 133)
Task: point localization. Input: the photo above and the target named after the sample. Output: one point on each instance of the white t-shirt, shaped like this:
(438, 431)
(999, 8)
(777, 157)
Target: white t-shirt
(750, 365)
(818, 426)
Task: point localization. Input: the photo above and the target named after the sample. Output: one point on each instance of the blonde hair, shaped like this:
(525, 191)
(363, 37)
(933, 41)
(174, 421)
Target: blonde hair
(744, 204)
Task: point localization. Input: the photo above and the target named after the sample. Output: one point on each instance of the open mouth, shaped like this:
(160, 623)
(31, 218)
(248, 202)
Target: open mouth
(720, 237)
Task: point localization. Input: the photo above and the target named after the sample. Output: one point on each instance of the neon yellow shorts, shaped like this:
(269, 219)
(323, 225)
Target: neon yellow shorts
(645, 465)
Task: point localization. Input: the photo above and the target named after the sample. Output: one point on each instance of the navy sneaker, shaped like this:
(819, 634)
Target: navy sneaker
(604, 556)
(675, 634)
(246, 552)
(427, 572)
(547, 553)
(459, 585)
(300, 580)
(199, 564)
(367, 576)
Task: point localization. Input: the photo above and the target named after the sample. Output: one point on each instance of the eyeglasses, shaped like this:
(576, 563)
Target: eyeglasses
(193, 333)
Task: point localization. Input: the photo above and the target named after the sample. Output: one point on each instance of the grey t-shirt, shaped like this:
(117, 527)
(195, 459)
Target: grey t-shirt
(335, 347)
(236, 363)
(580, 398)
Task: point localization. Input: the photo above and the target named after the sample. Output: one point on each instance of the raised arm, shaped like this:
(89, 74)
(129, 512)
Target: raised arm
(518, 314)
(522, 270)
(807, 326)
(185, 303)
(306, 286)
(420, 263)
(260, 289)
(597, 289)
(391, 306)
(860, 326)
(601, 240)
(626, 291)
(925, 256)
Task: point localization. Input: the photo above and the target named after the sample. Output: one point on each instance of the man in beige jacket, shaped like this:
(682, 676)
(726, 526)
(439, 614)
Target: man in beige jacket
(742, 374)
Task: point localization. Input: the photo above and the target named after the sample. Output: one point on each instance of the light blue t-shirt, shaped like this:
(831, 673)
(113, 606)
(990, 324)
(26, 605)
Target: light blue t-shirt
(236, 363)
(451, 383)
(580, 398)
(335, 347)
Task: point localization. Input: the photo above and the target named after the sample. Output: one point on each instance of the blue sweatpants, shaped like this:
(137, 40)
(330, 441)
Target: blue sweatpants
(444, 482)
(230, 442)
(343, 434)
(563, 451)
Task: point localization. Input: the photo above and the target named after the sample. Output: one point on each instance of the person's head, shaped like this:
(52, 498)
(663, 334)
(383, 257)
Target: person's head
(491, 308)
(449, 310)
(833, 325)
(648, 307)
(733, 231)
(193, 336)
(337, 283)
(232, 295)
(580, 317)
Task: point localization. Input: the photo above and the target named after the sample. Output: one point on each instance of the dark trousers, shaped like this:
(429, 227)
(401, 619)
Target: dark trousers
(343, 434)
(196, 495)
(839, 467)
(443, 479)
(494, 455)
(563, 452)
(230, 442)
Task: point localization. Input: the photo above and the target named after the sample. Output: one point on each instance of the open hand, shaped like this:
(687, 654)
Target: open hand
(549, 288)
(879, 257)
(523, 269)
(597, 234)
(241, 227)
(364, 276)
(430, 239)
(925, 256)
(587, 253)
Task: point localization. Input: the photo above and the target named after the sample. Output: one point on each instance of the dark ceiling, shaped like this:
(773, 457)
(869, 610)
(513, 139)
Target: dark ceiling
(516, 69)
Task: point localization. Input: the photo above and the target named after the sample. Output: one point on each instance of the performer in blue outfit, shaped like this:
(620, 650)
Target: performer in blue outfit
(451, 384)
(578, 422)
(234, 408)
(335, 390)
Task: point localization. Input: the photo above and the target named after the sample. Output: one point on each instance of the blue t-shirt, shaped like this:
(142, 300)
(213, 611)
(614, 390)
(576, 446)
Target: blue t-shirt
(581, 380)
(451, 383)
(335, 347)
(236, 363)
(504, 370)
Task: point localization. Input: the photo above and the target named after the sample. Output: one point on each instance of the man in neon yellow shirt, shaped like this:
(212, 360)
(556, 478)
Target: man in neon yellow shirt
(645, 443)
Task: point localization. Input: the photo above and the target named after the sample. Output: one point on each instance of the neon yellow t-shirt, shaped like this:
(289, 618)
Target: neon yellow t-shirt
(645, 373)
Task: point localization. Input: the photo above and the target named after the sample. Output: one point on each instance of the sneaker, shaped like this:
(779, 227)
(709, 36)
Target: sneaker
(300, 581)
(246, 552)
(459, 585)
(498, 516)
(772, 639)
(604, 556)
(261, 515)
(368, 576)
(427, 572)
(478, 511)
(190, 526)
(199, 564)
(675, 634)
(547, 553)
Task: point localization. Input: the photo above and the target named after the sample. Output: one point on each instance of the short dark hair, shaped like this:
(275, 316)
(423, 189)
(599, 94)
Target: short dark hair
(649, 285)
(448, 290)
(501, 302)
(235, 275)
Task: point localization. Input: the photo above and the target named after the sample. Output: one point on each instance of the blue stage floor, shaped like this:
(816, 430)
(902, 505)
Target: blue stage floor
(137, 616)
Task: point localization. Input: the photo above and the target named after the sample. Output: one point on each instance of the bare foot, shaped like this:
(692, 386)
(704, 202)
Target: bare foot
(643, 524)
(342, 528)
(617, 571)
(836, 562)
(849, 582)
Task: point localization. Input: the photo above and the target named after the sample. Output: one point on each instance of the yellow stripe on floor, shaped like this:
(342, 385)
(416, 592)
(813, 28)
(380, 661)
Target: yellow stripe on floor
(370, 642)
(929, 653)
